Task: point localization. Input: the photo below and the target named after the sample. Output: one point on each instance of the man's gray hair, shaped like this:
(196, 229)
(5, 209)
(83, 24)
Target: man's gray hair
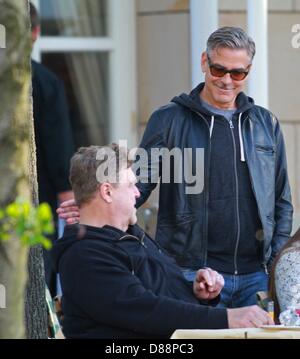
(231, 37)
(89, 166)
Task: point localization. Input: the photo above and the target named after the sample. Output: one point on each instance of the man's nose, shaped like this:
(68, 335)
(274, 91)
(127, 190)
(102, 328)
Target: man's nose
(227, 79)
(137, 192)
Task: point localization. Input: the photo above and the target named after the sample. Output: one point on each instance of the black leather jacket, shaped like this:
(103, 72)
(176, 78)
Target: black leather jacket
(183, 218)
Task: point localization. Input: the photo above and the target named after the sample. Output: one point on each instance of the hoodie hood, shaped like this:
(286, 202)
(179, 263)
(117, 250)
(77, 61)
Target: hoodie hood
(74, 233)
(194, 102)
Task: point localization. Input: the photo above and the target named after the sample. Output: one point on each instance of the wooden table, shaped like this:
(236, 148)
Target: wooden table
(243, 333)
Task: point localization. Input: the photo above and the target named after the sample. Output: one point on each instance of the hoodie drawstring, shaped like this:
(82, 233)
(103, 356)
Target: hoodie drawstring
(240, 134)
(211, 125)
(241, 139)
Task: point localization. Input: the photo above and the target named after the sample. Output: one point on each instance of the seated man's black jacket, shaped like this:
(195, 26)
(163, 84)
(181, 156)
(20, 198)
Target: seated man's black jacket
(122, 285)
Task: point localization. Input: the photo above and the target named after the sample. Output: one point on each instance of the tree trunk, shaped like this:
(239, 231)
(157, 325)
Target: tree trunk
(16, 130)
(35, 302)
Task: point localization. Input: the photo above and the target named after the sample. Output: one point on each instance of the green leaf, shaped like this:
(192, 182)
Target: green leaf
(44, 212)
(30, 224)
(13, 210)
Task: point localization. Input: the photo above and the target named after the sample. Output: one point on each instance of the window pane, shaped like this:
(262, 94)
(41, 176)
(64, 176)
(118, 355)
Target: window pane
(73, 17)
(85, 76)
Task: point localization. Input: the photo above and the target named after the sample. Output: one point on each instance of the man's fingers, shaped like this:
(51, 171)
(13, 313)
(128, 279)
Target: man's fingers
(220, 279)
(212, 278)
(69, 203)
(201, 285)
(264, 317)
(72, 220)
(259, 317)
(256, 323)
(252, 316)
(212, 289)
(68, 215)
(67, 209)
(204, 276)
(270, 321)
(208, 283)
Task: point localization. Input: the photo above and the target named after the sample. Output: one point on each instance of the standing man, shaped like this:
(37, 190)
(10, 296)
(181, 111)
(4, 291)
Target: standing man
(243, 216)
(53, 137)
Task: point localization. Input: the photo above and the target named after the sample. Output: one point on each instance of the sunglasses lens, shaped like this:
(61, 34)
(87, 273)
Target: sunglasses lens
(238, 76)
(215, 71)
(235, 75)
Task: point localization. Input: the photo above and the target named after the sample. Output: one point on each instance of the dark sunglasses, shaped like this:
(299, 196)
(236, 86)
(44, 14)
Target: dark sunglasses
(218, 71)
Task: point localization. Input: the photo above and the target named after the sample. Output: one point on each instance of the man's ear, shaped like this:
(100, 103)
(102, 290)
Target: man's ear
(105, 191)
(35, 33)
(204, 62)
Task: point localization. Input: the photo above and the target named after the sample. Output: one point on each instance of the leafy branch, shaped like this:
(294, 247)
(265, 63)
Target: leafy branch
(28, 223)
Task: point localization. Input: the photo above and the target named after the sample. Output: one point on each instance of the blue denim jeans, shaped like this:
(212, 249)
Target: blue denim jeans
(239, 290)
(189, 274)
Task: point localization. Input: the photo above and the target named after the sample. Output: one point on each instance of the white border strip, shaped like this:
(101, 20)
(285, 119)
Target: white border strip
(82, 44)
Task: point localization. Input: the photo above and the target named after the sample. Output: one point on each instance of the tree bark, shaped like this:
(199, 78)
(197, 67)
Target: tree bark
(35, 302)
(16, 151)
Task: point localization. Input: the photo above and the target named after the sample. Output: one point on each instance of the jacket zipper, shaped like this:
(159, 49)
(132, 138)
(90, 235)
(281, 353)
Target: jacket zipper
(141, 241)
(237, 199)
(206, 193)
(128, 236)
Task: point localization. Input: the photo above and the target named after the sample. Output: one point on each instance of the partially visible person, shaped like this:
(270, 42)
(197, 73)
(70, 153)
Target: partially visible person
(53, 137)
(116, 281)
(285, 277)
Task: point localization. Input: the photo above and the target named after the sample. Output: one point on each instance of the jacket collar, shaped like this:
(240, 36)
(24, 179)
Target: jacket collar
(194, 102)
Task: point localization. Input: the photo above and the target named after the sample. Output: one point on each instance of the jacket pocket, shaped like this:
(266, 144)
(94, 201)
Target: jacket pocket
(266, 149)
(177, 220)
(180, 235)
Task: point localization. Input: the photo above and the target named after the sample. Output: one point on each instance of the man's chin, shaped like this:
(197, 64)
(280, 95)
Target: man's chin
(225, 98)
(133, 220)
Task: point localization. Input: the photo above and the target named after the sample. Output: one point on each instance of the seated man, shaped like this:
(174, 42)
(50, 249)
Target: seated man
(116, 281)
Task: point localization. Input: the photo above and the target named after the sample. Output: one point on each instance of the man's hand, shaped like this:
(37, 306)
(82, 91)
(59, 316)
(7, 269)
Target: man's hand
(68, 211)
(248, 317)
(208, 284)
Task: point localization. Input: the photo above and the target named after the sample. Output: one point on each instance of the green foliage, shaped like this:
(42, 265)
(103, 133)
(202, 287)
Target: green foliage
(30, 224)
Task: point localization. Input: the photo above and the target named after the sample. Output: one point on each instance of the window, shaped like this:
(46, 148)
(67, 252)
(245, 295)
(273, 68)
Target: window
(74, 18)
(90, 45)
